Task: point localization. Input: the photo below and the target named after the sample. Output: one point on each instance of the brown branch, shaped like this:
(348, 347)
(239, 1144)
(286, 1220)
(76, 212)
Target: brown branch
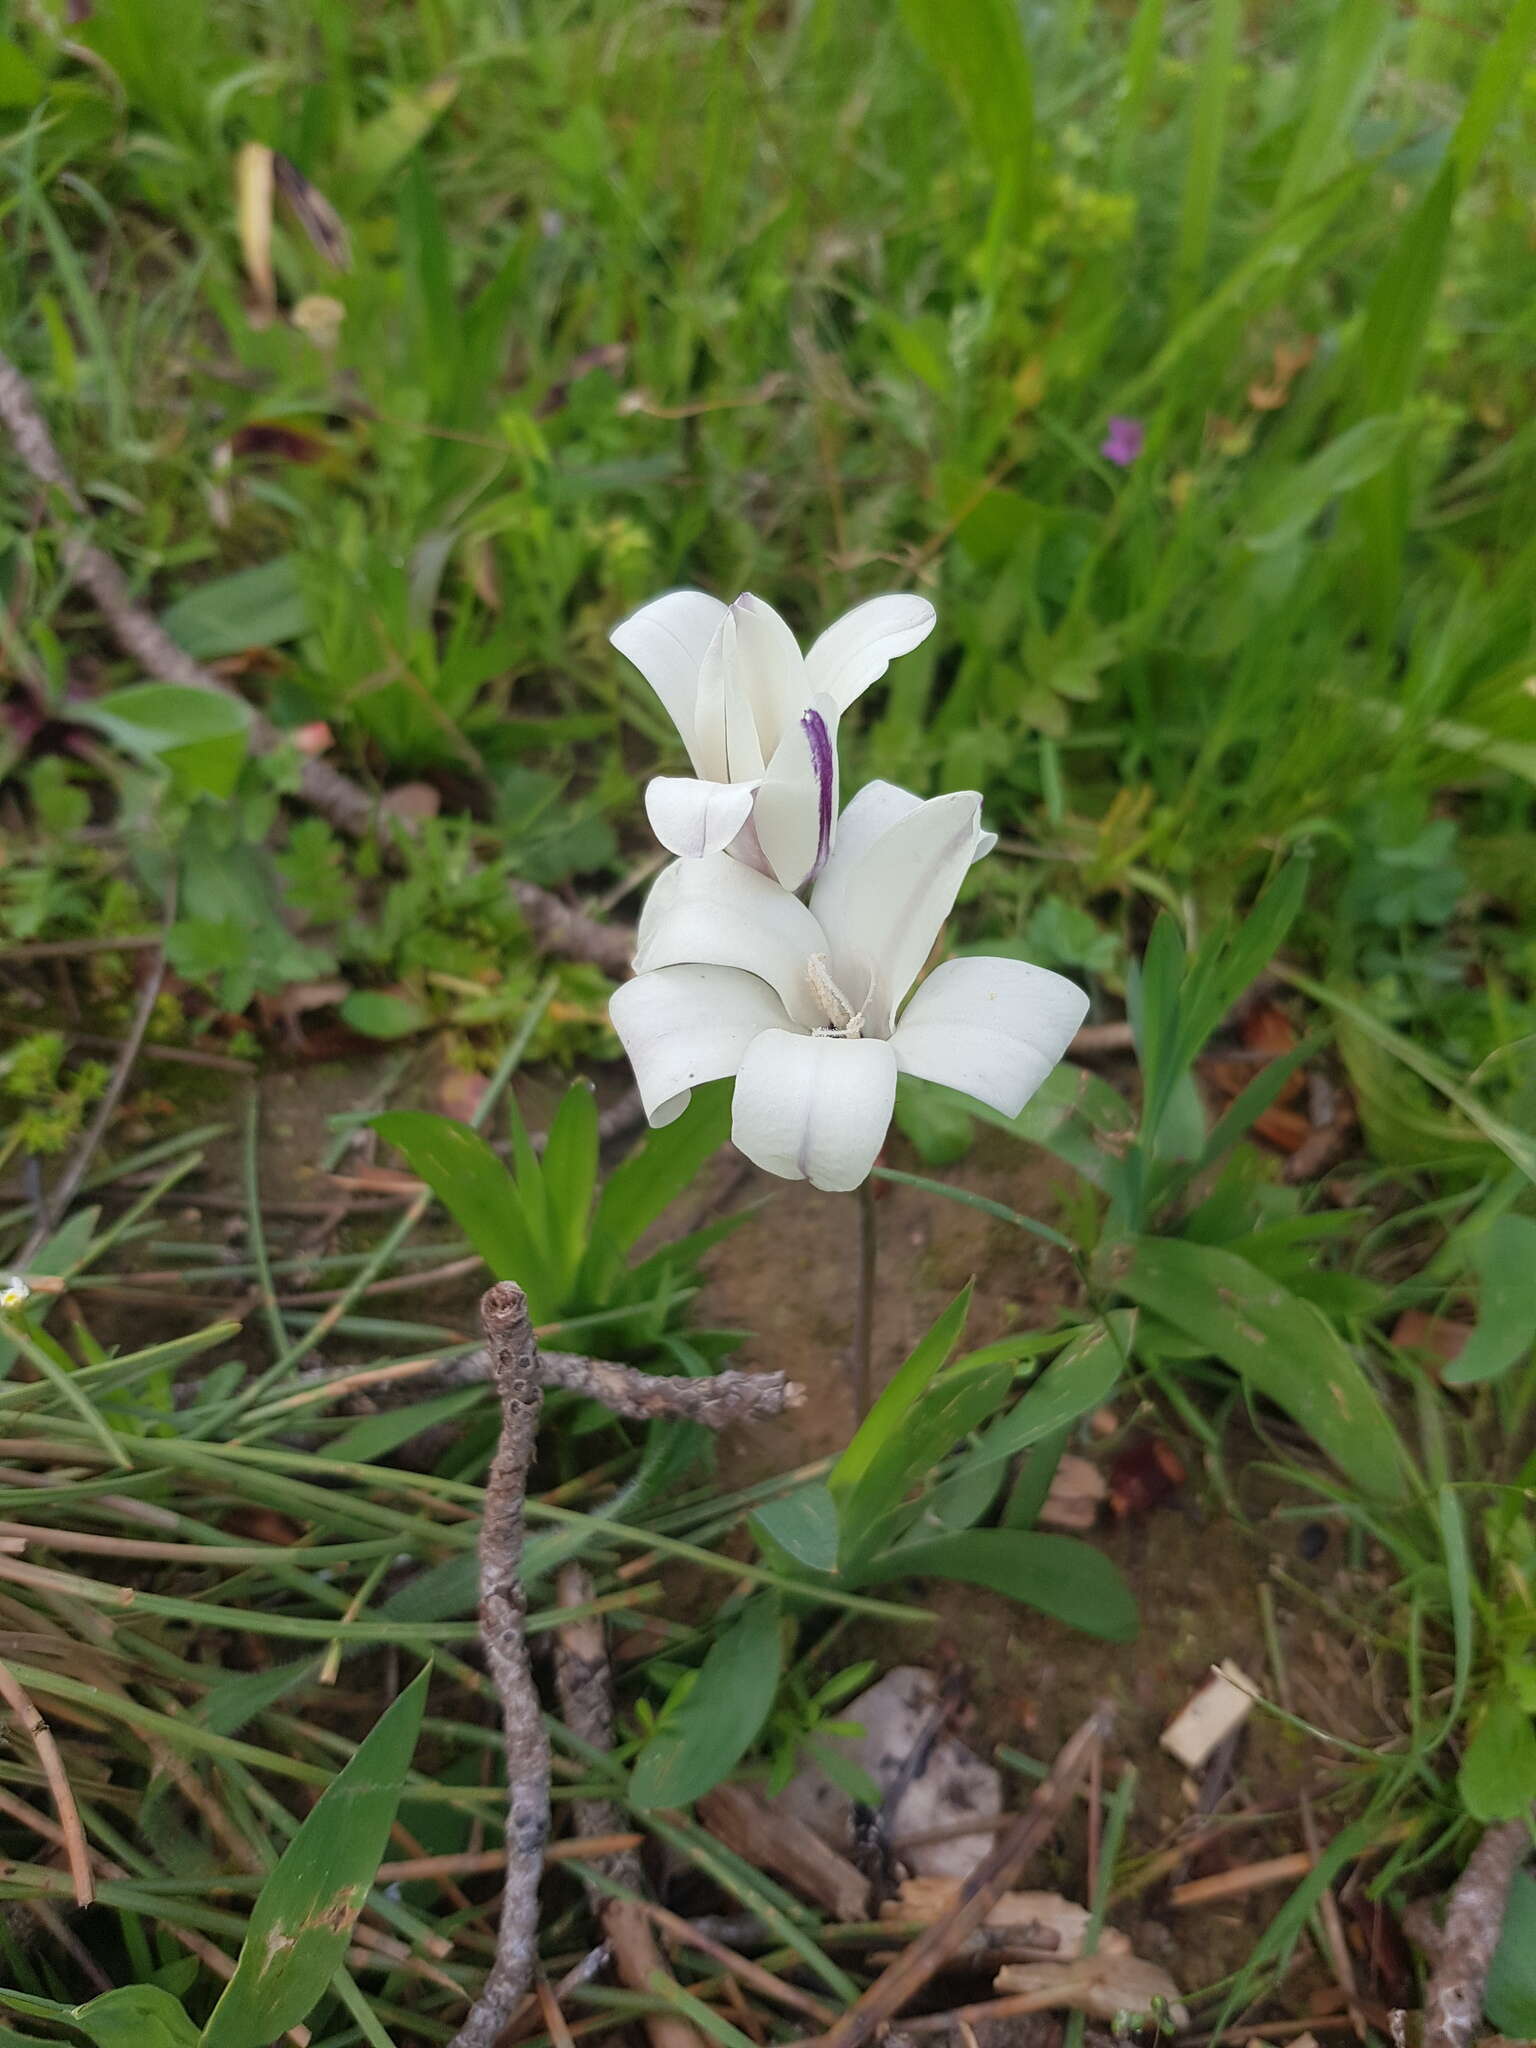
(584, 1686)
(556, 927)
(727, 1398)
(1474, 1920)
(76, 1851)
(503, 1610)
(978, 1895)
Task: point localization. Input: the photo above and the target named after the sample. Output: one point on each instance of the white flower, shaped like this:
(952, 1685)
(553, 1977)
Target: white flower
(734, 975)
(15, 1293)
(759, 720)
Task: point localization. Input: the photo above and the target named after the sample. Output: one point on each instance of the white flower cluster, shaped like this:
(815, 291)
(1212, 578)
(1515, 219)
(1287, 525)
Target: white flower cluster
(808, 999)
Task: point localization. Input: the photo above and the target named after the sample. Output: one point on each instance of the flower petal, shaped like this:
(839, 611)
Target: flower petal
(771, 668)
(991, 1028)
(694, 818)
(883, 912)
(796, 802)
(814, 1109)
(858, 649)
(719, 913)
(666, 640)
(683, 1026)
(725, 743)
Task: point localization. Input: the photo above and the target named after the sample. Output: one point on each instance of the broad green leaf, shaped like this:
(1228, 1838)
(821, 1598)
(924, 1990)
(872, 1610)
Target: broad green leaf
(667, 1163)
(717, 1723)
(377, 1013)
(1351, 458)
(480, 1195)
(302, 1920)
(138, 2016)
(1510, 2000)
(1281, 1347)
(934, 1121)
(1497, 1779)
(22, 84)
(260, 607)
(1506, 1307)
(570, 1175)
(803, 1525)
(199, 735)
(1060, 1576)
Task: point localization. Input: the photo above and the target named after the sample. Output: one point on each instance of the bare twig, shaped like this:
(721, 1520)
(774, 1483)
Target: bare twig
(978, 1895)
(556, 926)
(76, 1852)
(583, 1682)
(68, 1185)
(727, 1398)
(1474, 1920)
(503, 1610)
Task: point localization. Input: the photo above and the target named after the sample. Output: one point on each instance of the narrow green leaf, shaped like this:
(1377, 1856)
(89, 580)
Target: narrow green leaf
(480, 1195)
(1202, 174)
(720, 1719)
(1349, 460)
(1060, 1576)
(667, 1163)
(803, 1525)
(978, 48)
(1280, 1346)
(570, 1174)
(302, 1920)
(895, 1403)
(1080, 1380)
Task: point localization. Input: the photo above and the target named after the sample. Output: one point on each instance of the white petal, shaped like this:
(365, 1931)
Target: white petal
(694, 818)
(658, 897)
(683, 1026)
(884, 913)
(771, 668)
(725, 744)
(991, 1028)
(666, 640)
(796, 804)
(718, 913)
(814, 1109)
(863, 643)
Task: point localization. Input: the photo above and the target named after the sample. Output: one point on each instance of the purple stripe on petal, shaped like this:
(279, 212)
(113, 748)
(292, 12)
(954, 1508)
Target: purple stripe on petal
(824, 762)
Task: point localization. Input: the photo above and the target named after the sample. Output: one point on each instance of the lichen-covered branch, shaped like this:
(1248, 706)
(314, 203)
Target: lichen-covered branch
(514, 1363)
(1453, 2000)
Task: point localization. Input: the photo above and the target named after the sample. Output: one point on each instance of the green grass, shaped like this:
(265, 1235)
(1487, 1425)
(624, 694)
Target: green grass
(820, 300)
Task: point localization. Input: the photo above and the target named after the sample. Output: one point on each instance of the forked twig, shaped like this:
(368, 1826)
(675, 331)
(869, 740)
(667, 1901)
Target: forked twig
(503, 1610)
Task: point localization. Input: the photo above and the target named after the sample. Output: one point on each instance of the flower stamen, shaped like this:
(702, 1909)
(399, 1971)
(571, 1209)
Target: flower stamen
(845, 1020)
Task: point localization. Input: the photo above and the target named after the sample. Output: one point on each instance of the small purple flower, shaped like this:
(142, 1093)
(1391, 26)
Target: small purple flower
(1124, 441)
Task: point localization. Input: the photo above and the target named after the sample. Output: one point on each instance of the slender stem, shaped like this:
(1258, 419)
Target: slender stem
(864, 1302)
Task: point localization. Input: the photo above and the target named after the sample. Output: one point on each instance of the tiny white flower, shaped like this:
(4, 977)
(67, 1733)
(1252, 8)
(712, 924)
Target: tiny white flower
(804, 1004)
(759, 720)
(15, 1293)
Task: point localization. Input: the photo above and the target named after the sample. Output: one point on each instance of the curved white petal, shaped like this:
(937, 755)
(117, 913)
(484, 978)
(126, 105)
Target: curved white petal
(725, 745)
(796, 805)
(858, 649)
(868, 815)
(991, 1028)
(814, 1109)
(885, 912)
(683, 1026)
(666, 640)
(657, 898)
(694, 818)
(719, 913)
(771, 668)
